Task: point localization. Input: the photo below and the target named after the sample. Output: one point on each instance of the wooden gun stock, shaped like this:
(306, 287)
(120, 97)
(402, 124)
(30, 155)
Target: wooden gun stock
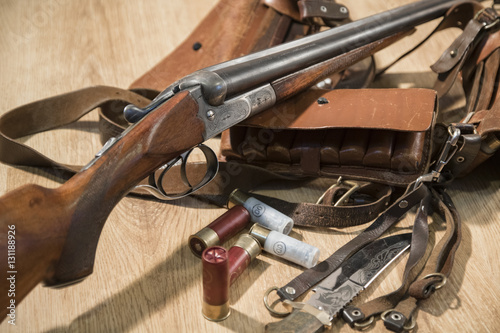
(57, 230)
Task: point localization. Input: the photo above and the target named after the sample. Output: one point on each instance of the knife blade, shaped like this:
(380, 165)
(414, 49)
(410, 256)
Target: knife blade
(340, 287)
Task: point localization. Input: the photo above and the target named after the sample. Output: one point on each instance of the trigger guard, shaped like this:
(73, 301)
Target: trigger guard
(156, 189)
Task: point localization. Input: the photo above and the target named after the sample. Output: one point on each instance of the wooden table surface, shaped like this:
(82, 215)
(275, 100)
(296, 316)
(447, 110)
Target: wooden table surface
(145, 277)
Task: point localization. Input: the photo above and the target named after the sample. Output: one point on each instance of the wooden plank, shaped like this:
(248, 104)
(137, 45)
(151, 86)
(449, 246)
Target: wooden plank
(145, 278)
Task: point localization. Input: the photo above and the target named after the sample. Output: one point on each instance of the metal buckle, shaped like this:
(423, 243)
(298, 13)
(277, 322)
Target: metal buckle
(322, 316)
(345, 197)
(449, 150)
(486, 25)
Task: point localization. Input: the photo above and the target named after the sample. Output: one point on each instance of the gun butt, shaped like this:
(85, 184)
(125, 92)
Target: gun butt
(33, 225)
(51, 235)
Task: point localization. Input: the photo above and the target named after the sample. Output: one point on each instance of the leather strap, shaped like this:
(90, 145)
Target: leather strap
(419, 253)
(437, 269)
(55, 112)
(440, 264)
(486, 75)
(481, 77)
(367, 202)
(326, 215)
(388, 218)
(442, 258)
(328, 10)
(422, 276)
(454, 18)
(453, 59)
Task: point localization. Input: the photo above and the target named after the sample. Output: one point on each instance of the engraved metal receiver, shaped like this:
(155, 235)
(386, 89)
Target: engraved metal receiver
(208, 89)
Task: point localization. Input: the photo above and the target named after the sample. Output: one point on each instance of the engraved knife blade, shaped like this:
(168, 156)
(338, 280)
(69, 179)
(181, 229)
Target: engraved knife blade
(357, 273)
(339, 288)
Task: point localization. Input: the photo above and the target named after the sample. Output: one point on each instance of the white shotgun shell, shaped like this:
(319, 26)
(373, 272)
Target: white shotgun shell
(261, 213)
(286, 247)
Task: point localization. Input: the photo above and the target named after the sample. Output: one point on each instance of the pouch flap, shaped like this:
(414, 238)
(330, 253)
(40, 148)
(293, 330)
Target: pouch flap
(409, 110)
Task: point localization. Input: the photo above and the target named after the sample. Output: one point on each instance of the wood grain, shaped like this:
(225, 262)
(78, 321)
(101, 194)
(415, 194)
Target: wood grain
(146, 279)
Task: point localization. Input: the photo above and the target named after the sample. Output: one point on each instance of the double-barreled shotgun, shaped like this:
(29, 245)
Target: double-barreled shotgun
(57, 230)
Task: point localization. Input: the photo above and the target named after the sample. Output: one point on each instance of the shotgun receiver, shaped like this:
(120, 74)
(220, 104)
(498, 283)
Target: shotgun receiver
(57, 230)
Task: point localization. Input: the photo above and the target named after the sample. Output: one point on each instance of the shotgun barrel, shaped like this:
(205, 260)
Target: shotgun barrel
(266, 66)
(237, 76)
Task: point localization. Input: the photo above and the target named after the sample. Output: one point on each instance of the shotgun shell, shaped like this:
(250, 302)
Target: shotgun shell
(241, 254)
(285, 246)
(221, 229)
(261, 213)
(215, 283)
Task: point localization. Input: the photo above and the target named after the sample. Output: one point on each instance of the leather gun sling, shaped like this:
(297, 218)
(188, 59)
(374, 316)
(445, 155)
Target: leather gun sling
(441, 261)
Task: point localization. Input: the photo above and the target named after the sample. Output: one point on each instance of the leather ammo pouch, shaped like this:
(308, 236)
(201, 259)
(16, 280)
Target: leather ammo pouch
(380, 135)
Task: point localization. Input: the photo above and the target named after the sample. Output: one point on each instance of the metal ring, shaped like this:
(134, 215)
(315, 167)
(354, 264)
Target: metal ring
(384, 314)
(413, 323)
(444, 279)
(364, 323)
(269, 308)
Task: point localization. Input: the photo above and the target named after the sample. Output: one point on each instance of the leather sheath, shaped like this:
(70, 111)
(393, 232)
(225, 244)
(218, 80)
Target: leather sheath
(231, 29)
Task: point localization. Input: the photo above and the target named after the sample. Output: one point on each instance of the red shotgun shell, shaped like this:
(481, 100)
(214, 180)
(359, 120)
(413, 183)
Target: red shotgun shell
(220, 230)
(241, 254)
(215, 261)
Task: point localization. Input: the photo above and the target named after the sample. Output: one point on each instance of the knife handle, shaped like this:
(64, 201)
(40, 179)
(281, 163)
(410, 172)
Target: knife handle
(299, 322)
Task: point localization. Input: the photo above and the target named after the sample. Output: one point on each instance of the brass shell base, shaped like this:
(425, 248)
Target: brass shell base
(216, 312)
